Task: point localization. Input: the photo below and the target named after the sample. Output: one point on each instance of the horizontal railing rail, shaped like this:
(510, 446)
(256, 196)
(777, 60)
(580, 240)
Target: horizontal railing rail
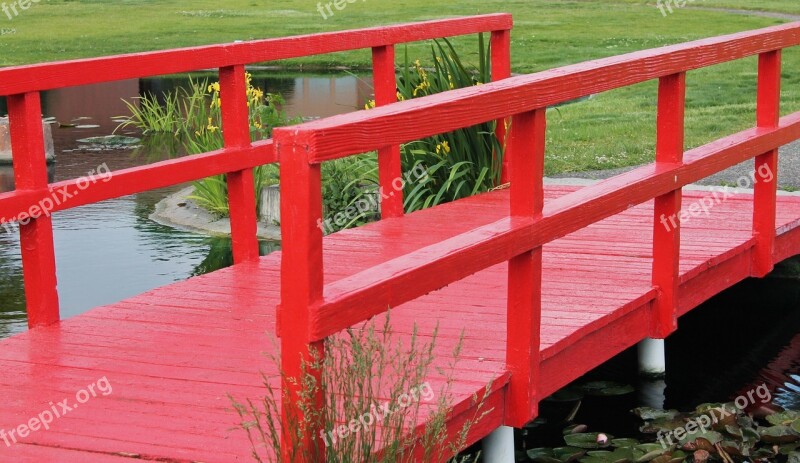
(316, 309)
(348, 134)
(22, 86)
(49, 76)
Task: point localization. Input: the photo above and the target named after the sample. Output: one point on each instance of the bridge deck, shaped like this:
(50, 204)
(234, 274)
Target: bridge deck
(173, 354)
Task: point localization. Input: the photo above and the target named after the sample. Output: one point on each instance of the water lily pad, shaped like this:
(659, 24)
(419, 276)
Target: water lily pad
(702, 439)
(111, 140)
(604, 456)
(626, 442)
(606, 388)
(733, 448)
(586, 440)
(568, 454)
(649, 414)
(784, 418)
(649, 452)
(778, 435)
(542, 455)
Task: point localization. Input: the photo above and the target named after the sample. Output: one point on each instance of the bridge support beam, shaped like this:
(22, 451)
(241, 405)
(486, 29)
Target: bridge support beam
(652, 358)
(498, 447)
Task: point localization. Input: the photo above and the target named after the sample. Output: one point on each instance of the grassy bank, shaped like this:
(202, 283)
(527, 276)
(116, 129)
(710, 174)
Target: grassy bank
(609, 130)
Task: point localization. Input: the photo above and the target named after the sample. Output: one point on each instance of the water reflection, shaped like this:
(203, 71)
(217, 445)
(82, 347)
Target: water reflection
(110, 251)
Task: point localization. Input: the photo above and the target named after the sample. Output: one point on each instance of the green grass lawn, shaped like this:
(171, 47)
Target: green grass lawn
(609, 130)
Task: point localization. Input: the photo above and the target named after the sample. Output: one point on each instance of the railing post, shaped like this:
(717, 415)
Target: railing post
(36, 233)
(241, 187)
(389, 162)
(667, 227)
(501, 69)
(766, 165)
(525, 271)
(301, 290)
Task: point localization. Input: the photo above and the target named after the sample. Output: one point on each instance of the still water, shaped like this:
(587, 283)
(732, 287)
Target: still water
(110, 251)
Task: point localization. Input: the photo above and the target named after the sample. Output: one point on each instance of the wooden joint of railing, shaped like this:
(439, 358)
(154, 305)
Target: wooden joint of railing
(241, 187)
(35, 227)
(524, 312)
(390, 168)
(667, 209)
(766, 165)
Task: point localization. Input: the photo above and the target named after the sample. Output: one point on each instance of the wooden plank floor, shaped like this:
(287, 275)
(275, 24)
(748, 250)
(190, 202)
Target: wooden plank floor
(172, 355)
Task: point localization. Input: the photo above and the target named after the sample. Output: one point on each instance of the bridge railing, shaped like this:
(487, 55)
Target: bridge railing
(23, 84)
(314, 309)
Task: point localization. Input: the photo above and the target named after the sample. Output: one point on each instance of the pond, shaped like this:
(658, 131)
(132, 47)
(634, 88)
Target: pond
(110, 251)
(743, 338)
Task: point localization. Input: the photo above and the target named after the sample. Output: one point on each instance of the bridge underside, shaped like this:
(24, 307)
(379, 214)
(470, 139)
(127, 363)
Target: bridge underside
(174, 354)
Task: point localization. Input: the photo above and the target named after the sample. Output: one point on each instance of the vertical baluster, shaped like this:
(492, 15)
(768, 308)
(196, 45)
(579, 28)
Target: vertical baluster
(766, 165)
(301, 283)
(36, 236)
(501, 69)
(666, 228)
(525, 271)
(389, 166)
(241, 187)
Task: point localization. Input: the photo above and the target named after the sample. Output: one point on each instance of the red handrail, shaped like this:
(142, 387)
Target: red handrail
(314, 310)
(22, 85)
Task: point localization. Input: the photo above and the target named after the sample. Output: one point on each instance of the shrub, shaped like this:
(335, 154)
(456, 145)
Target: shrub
(360, 369)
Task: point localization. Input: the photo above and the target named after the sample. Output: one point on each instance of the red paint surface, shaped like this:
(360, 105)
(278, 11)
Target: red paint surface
(545, 284)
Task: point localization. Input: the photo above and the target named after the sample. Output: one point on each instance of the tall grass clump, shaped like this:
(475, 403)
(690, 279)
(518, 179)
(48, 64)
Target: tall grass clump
(361, 370)
(460, 163)
(193, 115)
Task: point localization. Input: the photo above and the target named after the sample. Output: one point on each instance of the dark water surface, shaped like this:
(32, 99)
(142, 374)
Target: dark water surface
(744, 337)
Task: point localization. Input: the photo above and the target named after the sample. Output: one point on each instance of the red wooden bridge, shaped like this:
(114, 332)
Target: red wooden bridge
(546, 282)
